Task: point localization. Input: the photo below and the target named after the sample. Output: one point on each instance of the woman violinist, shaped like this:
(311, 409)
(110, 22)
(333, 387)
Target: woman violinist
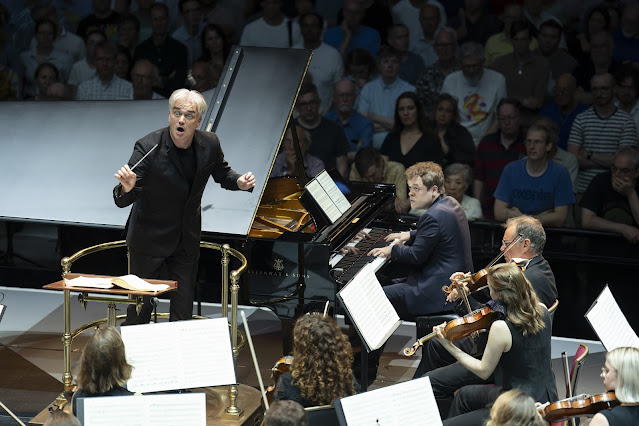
(517, 353)
(621, 375)
(321, 370)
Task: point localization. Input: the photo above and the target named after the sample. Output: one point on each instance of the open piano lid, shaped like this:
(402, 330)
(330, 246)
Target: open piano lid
(250, 110)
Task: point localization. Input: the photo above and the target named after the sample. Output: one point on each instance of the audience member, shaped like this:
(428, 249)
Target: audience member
(61, 418)
(329, 140)
(57, 92)
(358, 129)
(499, 44)
(495, 151)
(166, 53)
(359, 67)
(515, 408)
(45, 75)
(129, 33)
(429, 18)
(596, 19)
(105, 85)
(215, 48)
(474, 23)
(143, 13)
(598, 132)
(351, 33)
(272, 29)
(370, 166)
(456, 142)
(321, 370)
(535, 11)
(123, 63)
(535, 186)
(189, 32)
(377, 99)
(65, 41)
(104, 369)
(286, 161)
(377, 15)
(411, 64)
(83, 70)
(103, 19)
(565, 108)
(430, 82)
(228, 15)
(627, 91)
(202, 77)
(526, 72)
(407, 12)
(43, 51)
(610, 202)
(599, 63)
(479, 90)
(285, 413)
(410, 140)
(326, 65)
(626, 38)
(559, 61)
(458, 178)
(557, 154)
(143, 74)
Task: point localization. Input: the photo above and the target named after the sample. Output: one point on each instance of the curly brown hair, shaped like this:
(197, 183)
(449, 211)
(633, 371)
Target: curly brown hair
(322, 360)
(516, 292)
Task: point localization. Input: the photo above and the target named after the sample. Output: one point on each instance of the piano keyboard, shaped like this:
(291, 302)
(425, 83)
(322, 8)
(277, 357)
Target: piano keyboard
(352, 263)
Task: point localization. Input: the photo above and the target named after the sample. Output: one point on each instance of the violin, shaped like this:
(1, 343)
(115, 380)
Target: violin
(460, 327)
(580, 405)
(283, 365)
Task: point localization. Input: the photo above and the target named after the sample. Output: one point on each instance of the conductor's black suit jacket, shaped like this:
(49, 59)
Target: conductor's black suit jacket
(165, 209)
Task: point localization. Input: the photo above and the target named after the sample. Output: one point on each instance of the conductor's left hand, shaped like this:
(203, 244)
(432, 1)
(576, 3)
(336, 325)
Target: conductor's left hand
(246, 181)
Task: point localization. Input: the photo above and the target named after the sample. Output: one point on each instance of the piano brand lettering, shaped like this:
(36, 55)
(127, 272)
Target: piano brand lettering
(277, 273)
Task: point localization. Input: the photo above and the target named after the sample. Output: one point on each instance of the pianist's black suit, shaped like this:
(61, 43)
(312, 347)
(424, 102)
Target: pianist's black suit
(438, 247)
(165, 221)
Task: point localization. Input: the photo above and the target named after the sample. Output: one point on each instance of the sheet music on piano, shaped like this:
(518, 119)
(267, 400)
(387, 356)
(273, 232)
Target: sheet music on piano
(328, 196)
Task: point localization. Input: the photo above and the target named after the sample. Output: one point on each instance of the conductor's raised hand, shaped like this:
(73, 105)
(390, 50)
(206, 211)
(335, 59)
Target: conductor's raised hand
(246, 181)
(126, 178)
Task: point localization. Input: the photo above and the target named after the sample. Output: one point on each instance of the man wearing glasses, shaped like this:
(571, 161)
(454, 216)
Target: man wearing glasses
(611, 203)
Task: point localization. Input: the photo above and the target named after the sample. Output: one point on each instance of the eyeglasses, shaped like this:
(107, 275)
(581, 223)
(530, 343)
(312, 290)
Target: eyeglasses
(623, 171)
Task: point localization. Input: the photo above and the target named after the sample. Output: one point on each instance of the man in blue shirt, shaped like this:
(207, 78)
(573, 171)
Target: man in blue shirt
(535, 185)
(351, 33)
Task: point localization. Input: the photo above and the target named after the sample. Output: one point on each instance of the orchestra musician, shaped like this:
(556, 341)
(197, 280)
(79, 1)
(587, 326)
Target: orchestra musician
(621, 375)
(517, 353)
(321, 369)
(515, 408)
(166, 192)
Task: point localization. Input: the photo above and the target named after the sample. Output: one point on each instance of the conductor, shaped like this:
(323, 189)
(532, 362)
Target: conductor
(166, 191)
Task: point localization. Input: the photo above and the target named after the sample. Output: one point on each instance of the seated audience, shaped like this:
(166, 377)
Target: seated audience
(559, 61)
(626, 37)
(407, 13)
(359, 67)
(479, 90)
(143, 74)
(189, 33)
(104, 370)
(285, 162)
(599, 63)
(378, 97)
(473, 22)
(329, 140)
(57, 92)
(358, 129)
(84, 69)
(598, 132)
(457, 179)
(45, 75)
(351, 33)
(430, 81)
(411, 64)
(321, 369)
(495, 151)
(215, 48)
(103, 19)
(129, 33)
(272, 28)
(619, 374)
(556, 154)
(105, 85)
(64, 40)
(202, 77)
(285, 413)
(611, 202)
(499, 44)
(429, 19)
(595, 19)
(535, 186)
(123, 63)
(515, 408)
(627, 90)
(456, 142)
(410, 140)
(370, 166)
(565, 108)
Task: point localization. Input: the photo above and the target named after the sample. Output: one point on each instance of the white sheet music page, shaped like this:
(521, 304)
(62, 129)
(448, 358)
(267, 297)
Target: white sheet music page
(323, 200)
(146, 410)
(369, 308)
(410, 402)
(333, 191)
(610, 323)
(179, 355)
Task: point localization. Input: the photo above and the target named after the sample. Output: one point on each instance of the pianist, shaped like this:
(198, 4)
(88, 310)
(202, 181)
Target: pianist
(166, 192)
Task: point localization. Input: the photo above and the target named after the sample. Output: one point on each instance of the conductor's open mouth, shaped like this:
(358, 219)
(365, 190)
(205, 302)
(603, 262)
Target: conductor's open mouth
(180, 129)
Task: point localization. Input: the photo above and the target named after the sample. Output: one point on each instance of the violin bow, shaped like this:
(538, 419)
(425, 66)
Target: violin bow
(257, 367)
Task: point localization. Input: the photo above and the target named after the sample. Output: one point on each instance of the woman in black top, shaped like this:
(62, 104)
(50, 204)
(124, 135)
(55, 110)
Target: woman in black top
(455, 141)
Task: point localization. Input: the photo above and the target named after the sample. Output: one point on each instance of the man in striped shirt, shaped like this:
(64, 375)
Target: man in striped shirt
(598, 132)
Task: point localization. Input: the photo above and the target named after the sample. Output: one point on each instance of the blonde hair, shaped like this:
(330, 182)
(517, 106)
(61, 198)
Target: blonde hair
(516, 292)
(189, 96)
(514, 408)
(431, 174)
(626, 361)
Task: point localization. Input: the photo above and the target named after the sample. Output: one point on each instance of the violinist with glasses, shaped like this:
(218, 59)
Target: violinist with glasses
(517, 354)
